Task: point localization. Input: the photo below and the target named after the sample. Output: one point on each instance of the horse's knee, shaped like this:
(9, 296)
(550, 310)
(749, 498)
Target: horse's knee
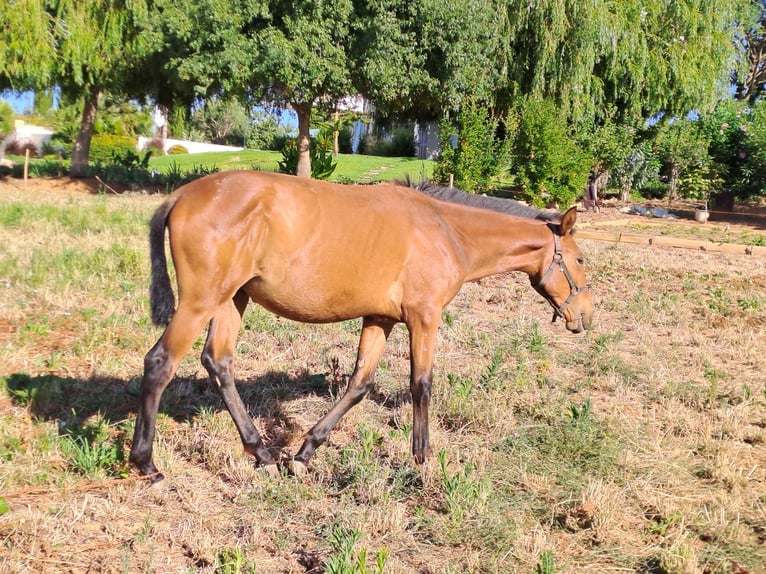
(158, 365)
(421, 391)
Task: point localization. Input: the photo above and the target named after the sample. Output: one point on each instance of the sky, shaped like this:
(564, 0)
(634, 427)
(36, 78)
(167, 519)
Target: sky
(19, 101)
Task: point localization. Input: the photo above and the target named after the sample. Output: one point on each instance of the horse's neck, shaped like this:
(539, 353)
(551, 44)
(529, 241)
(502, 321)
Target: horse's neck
(496, 243)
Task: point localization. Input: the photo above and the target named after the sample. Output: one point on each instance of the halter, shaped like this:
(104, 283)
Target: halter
(558, 262)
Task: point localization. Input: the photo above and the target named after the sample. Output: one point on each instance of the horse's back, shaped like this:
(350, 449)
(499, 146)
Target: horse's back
(308, 250)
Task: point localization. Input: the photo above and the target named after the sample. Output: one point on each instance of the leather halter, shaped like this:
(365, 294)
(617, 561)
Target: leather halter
(558, 263)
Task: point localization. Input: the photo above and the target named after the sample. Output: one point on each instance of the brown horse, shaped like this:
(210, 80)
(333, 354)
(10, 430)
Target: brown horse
(322, 252)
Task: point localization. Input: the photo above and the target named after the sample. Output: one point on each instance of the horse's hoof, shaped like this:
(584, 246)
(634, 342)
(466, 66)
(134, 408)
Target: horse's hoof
(297, 468)
(154, 478)
(270, 469)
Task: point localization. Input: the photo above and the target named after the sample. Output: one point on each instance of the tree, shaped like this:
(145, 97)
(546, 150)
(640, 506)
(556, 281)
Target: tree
(301, 58)
(681, 144)
(736, 133)
(84, 48)
(549, 164)
(751, 81)
(639, 58)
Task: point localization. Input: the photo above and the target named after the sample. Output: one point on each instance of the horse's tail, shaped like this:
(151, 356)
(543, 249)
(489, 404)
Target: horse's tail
(161, 298)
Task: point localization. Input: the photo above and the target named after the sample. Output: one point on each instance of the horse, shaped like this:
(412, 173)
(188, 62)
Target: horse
(320, 252)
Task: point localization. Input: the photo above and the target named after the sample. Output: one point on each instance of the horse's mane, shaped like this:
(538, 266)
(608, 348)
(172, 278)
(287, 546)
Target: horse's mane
(501, 205)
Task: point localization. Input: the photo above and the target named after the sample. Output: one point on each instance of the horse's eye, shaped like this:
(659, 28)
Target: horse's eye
(580, 260)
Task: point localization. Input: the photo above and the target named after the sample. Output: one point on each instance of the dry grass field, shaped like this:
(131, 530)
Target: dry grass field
(639, 446)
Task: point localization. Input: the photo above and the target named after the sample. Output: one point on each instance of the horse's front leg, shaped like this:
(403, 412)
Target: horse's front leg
(218, 357)
(371, 344)
(423, 331)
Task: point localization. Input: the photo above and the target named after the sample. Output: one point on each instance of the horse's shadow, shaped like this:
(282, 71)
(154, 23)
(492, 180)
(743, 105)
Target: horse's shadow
(72, 402)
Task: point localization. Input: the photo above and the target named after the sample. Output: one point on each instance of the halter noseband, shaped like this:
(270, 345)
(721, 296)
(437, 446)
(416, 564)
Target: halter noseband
(558, 262)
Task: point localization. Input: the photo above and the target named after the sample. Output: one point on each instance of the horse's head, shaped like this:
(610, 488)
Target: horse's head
(560, 278)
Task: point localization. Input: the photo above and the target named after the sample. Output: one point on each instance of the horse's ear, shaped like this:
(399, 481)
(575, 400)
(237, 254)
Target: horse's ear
(568, 221)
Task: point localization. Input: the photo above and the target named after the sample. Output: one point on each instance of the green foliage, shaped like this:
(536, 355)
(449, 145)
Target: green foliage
(549, 164)
(477, 156)
(222, 121)
(343, 560)
(682, 145)
(234, 561)
(40, 394)
(105, 147)
(463, 493)
(323, 163)
(177, 150)
(737, 136)
(265, 132)
(400, 143)
(6, 119)
(93, 451)
(546, 564)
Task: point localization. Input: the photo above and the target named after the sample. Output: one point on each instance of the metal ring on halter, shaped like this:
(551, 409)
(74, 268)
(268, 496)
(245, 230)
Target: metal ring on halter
(574, 290)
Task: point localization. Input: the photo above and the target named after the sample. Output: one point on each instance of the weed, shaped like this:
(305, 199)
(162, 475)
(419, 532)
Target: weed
(492, 378)
(93, 452)
(9, 447)
(460, 386)
(463, 492)
(344, 560)
(712, 375)
(546, 564)
(448, 318)
(535, 340)
(234, 561)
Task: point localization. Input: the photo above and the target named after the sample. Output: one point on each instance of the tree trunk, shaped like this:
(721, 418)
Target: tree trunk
(304, 139)
(81, 149)
(336, 134)
(673, 181)
(161, 120)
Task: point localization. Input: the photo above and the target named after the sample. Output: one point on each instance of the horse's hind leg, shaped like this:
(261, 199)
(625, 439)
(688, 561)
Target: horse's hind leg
(217, 357)
(371, 345)
(160, 364)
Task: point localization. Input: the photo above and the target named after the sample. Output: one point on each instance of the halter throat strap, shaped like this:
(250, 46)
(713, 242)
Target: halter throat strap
(558, 263)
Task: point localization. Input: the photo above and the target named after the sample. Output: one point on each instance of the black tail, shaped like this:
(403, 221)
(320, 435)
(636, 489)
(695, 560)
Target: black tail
(161, 298)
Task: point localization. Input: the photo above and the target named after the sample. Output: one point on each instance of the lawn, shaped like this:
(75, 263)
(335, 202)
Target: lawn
(352, 168)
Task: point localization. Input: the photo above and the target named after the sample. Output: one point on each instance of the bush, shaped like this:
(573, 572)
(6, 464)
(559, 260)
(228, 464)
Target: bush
(550, 166)
(177, 150)
(156, 146)
(401, 143)
(477, 156)
(6, 119)
(17, 147)
(322, 161)
(103, 147)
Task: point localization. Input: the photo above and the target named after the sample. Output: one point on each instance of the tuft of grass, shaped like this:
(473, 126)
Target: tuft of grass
(463, 492)
(345, 560)
(93, 451)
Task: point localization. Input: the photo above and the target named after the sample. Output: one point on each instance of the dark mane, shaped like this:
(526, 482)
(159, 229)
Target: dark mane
(501, 205)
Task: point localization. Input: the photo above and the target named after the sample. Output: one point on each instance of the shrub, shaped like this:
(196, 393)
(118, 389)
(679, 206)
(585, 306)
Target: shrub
(476, 156)
(322, 161)
(177, 150)
(401, 143)
(103, 147)
(17, 147)
(156, 146)
(6, 119)
(550, 166)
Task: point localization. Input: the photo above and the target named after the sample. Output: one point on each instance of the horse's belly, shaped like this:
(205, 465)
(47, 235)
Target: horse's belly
(315, 305)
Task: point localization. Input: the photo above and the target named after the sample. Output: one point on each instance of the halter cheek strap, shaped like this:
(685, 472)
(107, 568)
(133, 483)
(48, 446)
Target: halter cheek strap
(558, 263)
